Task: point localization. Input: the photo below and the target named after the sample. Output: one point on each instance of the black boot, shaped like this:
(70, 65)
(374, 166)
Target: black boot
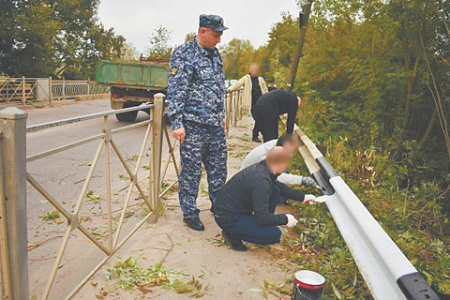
(256, 139)
(235, 244)
(194, 224)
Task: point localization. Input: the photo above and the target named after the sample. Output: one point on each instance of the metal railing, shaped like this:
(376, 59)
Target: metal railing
(386, 270)
(47, 89)
(13, 211)
(233, 108)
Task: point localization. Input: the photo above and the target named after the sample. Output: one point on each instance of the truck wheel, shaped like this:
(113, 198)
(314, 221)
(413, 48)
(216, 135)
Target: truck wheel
(129, 116)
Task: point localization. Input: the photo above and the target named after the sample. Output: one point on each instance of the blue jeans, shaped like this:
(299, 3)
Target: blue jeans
(246, 229)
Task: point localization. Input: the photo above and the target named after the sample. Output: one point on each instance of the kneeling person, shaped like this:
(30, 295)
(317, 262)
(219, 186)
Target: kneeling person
(245, 206)
(290, 144)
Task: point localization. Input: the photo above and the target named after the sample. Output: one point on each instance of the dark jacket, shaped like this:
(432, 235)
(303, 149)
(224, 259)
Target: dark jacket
(279, 102)
(248, 192)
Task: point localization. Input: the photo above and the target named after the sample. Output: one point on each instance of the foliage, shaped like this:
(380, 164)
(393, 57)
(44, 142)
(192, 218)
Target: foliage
(128, 53)
(52, 216)
(190, 36)
(159, 44)
(412, 216)
(91, 197)
(41, 38)
(131, 276)
(370, 77)
(237, 56)
(102, 231)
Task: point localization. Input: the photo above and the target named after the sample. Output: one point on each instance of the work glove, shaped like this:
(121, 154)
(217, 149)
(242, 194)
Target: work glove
(308, 181)
(309, 199)
(291, 221)
(321, 199)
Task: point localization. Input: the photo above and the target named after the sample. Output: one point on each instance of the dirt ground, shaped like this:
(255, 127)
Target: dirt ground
(222, 273)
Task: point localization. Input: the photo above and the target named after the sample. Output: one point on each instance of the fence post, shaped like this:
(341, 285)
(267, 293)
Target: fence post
(88, 87)
(13, 149)
(50, 92)
(64, 88)
(23, 90)
(156, 154)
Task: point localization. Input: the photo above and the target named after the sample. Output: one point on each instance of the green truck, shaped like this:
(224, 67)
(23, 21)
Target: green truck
(133, 83)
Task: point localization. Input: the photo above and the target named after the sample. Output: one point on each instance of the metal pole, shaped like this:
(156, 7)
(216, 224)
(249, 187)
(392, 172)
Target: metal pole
(50, 93)
(304, 15)
(13, 127)
(155, 165)
(64, 88)
(23, 90)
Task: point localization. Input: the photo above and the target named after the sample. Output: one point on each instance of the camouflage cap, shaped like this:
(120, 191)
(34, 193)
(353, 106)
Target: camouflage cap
(212, 21)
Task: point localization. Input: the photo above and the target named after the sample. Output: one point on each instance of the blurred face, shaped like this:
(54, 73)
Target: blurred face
(254, 70)
(290, 147)
(208, 38)
(280, 167)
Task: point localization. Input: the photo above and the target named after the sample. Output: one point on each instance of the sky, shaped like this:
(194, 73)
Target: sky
(136, 20)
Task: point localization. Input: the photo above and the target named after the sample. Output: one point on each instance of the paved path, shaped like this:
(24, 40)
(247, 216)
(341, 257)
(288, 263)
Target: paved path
(228, 274)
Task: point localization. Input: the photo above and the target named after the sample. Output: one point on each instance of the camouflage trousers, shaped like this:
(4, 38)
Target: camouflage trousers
(203, 144)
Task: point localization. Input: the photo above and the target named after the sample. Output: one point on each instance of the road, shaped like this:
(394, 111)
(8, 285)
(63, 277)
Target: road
(63, 176)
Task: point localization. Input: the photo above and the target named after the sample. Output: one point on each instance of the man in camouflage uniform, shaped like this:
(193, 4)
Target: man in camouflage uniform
(197, 113)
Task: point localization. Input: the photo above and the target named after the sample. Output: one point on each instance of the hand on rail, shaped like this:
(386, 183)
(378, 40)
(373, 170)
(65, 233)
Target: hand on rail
(308, 181)
(291, 221)
(179, 134)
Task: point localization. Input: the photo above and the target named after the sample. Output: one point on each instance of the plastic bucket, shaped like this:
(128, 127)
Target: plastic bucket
(309, 285)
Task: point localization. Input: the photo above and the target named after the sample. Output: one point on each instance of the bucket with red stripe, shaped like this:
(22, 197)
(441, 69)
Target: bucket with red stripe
(309, 285)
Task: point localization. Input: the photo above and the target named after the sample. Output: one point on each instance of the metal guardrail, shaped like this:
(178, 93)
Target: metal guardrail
(13, 208)
(86, 117)
(386, 270)
(47, 89)
(13, 224)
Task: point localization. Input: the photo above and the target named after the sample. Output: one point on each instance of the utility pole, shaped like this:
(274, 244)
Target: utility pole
(304, 16)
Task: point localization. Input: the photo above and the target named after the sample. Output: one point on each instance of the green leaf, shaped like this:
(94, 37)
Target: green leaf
(336, 291)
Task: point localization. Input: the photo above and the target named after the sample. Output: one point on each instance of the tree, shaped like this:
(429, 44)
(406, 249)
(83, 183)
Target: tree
(382, 85)
(159, 44)
(54, 38)
(237, 56)
(190, 36)
(128, 53)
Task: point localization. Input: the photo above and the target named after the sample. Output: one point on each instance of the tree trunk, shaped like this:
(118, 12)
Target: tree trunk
(429, 129)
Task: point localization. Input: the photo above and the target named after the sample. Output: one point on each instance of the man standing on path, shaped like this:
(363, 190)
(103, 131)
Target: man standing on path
(254, 87)
(269, 108)
(196, 110)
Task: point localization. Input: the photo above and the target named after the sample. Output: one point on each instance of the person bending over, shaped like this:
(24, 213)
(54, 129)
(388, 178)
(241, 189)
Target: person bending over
(270, 106)
(245, 207)
(290, 144)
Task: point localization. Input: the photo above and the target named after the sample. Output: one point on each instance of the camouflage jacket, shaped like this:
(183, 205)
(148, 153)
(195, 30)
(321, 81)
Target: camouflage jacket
(196, 86)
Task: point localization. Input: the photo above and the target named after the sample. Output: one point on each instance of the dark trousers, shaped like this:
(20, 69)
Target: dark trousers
(256, 127)
(245, 227)
(267, 122)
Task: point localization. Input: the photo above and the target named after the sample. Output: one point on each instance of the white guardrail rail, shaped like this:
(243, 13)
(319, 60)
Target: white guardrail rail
(386, 270)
